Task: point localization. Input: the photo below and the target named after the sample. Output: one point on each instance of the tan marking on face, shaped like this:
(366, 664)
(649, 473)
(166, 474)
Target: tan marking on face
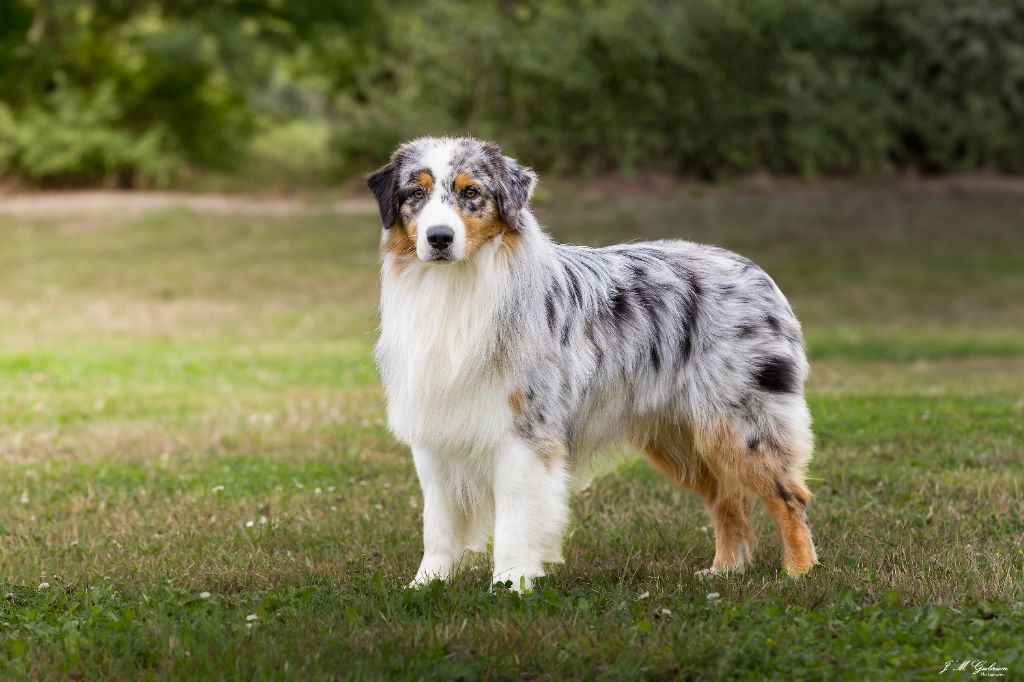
(426, 181)
(462, 181)
(401, 243)
(511, 240)
(481, 229)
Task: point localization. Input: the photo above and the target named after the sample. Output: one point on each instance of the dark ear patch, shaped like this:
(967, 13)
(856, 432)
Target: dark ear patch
(515, 186)
(384, 185)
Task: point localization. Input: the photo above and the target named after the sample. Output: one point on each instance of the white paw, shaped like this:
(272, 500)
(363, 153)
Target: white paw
(710, 573)
(421, 581)
(425, 577)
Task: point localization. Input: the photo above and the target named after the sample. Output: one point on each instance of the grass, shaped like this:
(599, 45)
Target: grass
(195, 464)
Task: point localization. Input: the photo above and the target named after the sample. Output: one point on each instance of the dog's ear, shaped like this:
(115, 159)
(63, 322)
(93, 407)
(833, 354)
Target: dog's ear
(516, 188)
(384, 185)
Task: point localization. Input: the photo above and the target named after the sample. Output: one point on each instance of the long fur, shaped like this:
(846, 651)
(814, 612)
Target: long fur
(510, 360)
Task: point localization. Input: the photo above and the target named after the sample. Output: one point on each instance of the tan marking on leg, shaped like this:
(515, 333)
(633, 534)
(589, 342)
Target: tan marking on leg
(551, 452)
(798, 554)
(517, 401)
(773, 478)
(734, 536)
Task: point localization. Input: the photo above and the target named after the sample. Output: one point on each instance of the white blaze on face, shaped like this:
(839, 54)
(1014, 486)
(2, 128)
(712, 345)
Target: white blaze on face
(436, 211)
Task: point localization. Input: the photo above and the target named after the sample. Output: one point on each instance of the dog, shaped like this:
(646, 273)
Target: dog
(508, 360)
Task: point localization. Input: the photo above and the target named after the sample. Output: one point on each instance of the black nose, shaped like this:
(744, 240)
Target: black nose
(440, 236)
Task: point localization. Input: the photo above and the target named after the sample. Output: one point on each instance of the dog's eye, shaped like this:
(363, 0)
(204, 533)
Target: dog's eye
(470, 193)
(418, 193)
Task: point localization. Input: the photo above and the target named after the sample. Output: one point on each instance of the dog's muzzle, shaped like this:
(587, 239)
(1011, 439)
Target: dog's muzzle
(440, 238)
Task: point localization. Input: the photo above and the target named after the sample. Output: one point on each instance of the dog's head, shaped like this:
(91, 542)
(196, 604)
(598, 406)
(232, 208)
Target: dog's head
(441, 199)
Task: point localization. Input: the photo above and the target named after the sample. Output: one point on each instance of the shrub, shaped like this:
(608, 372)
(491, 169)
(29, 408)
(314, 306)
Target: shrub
(73, 139)
(706, 87)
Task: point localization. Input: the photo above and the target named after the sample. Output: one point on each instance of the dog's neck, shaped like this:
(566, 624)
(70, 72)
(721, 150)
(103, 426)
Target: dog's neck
(450, 322)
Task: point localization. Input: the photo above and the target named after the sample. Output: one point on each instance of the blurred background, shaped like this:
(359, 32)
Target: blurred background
(251, 93)
(196, 479)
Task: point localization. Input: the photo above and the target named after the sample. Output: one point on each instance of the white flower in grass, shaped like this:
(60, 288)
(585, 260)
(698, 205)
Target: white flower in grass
(317, 491)
(645, 595)
(43, 585)
(24, 497)
(252, 617)
(263, 520)
(713, 596)
(204, 595)
(250, 524)
(666, 612)
(217, 489)
(331, 488)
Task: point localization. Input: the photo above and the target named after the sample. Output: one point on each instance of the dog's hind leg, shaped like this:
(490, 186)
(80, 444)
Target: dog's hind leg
(771, 467)
(727, 506)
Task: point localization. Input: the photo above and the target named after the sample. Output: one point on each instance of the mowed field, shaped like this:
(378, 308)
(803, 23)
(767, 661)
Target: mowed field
(196, 480)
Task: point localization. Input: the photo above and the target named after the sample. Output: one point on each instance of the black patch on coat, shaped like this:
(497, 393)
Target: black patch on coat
(620, 305)
(782, 492)
(745, 331)
(647, 300)
(655, 357)
(549, 306)
(691, 310)
(777, 375)
(574, 287)
(773, 322)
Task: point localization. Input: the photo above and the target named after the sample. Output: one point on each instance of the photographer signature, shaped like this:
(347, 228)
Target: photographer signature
(975, 667)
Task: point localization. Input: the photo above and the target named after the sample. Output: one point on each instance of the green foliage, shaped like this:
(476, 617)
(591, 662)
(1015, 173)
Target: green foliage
(72, 139)
(708, 88)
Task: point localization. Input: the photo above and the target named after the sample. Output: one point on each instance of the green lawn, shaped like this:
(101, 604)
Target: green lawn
(198, 482)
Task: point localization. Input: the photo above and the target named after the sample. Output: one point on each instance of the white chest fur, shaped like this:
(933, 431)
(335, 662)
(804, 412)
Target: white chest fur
(436, 354)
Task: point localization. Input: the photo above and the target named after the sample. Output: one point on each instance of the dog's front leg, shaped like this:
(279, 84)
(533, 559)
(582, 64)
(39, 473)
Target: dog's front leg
(444, 522)
(531, 509)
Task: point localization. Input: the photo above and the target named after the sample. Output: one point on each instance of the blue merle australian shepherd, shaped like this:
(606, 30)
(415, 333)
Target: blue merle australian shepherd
(509, 360)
